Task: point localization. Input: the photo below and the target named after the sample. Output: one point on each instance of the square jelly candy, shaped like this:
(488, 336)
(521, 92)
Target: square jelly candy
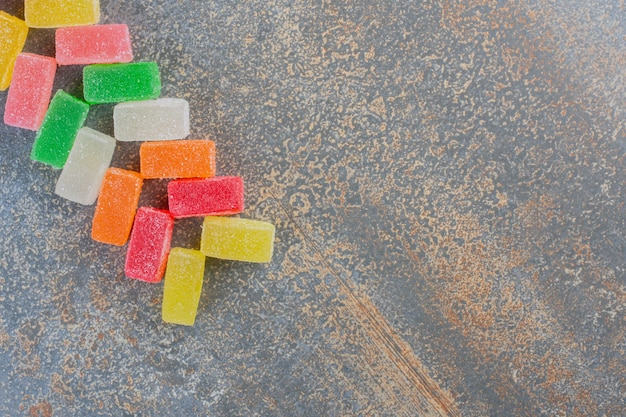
(183, 286)
(149, 245)
(86, 165)
(13, 32)
(151, 120)
(177, 159)
(117, 204)
(29, 94)
(55, 138)
(112, 83)
(97, 44)
(205, 196)
(59, 13)
(237, 239)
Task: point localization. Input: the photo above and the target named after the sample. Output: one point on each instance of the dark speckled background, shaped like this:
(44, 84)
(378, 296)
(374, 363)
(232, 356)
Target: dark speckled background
(447, 181)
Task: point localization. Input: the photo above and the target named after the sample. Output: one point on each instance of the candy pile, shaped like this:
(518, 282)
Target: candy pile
(85, 155)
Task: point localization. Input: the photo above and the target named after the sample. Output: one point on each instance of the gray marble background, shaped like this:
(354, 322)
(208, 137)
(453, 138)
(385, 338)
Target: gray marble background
(447, 182)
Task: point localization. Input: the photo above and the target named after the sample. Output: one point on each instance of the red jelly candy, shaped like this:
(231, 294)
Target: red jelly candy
(205, 197)
(149, 244)
(96, 44)
(30, 90)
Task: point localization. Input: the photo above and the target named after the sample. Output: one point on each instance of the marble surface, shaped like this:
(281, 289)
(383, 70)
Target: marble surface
(447, 182)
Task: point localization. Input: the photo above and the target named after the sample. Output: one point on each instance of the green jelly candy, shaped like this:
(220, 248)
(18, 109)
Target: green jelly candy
(112, 83)
(59, 128)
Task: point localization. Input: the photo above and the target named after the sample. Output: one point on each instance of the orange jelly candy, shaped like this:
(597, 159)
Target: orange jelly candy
(117, 204)
(178, 159)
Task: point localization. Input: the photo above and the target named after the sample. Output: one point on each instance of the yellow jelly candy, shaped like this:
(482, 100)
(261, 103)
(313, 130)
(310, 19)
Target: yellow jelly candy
(59, 13)
(237, 239)
(13, 33)
(183, 285)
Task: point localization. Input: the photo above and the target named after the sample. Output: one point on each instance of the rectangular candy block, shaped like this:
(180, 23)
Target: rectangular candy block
(161, 119)
(117, 204)
(31, 87)
(237, 239)
(13, 32)
(86, 165)
(183, 286)
(98, 44)
(112, 83)
(149, 244)
(205, 196)
(55, 138)
(59, 13)
(178, 159)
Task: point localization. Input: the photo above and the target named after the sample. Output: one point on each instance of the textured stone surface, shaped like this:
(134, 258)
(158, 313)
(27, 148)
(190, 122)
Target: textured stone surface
(447, 181)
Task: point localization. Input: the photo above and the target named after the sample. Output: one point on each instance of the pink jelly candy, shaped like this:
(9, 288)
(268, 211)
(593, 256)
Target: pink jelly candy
(205, 197)
(98, 44)
(30, 90)
(149, 244)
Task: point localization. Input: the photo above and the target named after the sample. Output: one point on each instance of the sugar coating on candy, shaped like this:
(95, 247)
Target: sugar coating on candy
(86, 165)
(178, 159)
(13, 32)
(149, 244)
(205, 196)
(237, 239)
(117, 204)
(59, 13)
(98, 44)
(182, 286)
(53, 142)
(151, 120)
(112, 83)
(29, 94)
